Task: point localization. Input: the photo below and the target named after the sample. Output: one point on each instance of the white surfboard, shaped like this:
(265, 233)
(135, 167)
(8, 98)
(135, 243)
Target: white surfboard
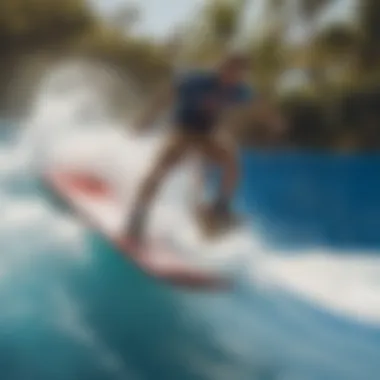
(94, 201)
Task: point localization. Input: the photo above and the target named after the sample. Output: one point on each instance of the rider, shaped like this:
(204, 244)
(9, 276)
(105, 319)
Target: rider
(199, 100)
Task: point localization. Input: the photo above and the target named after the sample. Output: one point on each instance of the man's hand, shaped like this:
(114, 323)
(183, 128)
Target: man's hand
(278, 125)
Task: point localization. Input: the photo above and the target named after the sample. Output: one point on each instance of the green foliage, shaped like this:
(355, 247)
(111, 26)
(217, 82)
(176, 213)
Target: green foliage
(71, 26)
(141, 58)
(352, 51)
(269, 58)
(369, 19)
(222, 18)
(35, 23)
(338, 39)
(310, 8)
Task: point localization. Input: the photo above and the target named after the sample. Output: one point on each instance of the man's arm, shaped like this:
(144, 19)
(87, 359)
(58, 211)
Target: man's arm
(161, 99)
(248, 106)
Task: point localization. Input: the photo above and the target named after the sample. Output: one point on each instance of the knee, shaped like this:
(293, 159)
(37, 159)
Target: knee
(150, 184)
(228, 156)
(230, 163)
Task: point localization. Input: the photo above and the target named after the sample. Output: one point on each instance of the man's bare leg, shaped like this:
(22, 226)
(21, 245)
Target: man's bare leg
(169, 157)
(142, 206)
(223, 153)
(217, 218)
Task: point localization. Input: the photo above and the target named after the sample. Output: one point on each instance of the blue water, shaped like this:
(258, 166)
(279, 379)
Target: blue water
(305, 198)
(82, 312)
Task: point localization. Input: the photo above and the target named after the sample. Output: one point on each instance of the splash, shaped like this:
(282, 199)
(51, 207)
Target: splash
(68, 133)
(70, 125)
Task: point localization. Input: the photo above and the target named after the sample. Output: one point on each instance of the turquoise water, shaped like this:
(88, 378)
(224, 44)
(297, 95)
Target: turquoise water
(72, 308)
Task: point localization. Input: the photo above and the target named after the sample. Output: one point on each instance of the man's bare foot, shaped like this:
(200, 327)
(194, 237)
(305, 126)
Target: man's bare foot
(212, 223)
(221, 208)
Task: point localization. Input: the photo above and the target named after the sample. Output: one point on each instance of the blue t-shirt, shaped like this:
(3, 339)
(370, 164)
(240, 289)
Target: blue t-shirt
(200, 99)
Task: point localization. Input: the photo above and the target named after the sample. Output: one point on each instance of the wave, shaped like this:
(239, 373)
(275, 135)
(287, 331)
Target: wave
(268, 307)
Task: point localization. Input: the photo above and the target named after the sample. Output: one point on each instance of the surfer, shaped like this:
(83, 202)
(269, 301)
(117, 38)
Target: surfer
(200, 100)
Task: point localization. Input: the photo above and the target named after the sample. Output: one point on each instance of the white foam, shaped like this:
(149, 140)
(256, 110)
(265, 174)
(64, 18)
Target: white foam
(348, 285)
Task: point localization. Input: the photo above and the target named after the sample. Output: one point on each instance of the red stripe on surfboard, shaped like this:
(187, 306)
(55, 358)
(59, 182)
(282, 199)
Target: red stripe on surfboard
(86, 183)
(66, 184)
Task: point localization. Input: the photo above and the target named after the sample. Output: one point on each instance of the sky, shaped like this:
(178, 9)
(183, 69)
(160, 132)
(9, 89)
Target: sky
(161, 16)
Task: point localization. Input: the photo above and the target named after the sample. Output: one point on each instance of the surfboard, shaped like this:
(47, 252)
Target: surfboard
(93, 200)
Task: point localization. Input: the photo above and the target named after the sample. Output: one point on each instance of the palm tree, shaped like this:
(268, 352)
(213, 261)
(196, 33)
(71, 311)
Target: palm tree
(216, 28)
(126, 16)
(369, 20)
(337, 42)
(310, 9)
(270, 51)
